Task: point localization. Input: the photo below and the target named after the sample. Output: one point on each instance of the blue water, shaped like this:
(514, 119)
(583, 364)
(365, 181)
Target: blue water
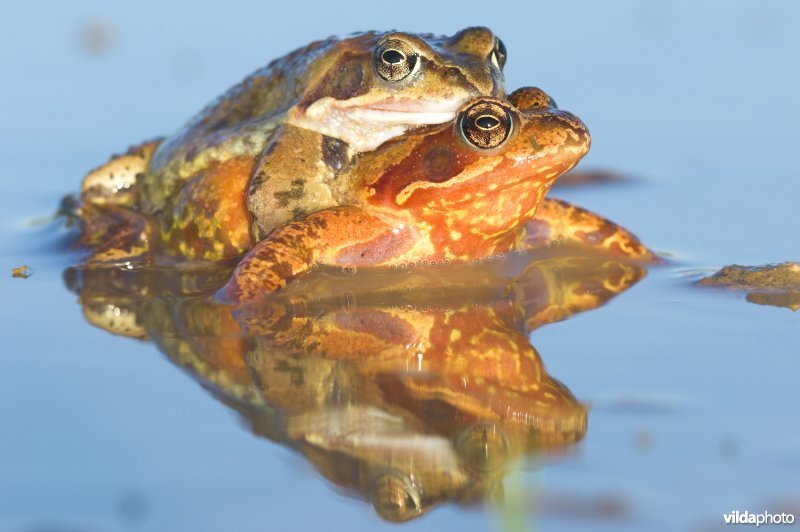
(693, 393)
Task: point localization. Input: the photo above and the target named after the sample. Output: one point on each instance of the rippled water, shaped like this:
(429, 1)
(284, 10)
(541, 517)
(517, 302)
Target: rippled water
(690, 393)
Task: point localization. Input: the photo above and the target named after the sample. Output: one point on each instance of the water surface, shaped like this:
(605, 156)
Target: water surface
(691, 394)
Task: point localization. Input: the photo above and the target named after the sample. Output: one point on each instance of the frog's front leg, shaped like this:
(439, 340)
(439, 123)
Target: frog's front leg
(115, 182)
(295, 175)
(340, 236)
(558, 222)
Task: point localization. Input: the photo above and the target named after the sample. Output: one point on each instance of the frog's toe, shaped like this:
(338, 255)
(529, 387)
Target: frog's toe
(114, 236)
(558, 222)
(114, 183)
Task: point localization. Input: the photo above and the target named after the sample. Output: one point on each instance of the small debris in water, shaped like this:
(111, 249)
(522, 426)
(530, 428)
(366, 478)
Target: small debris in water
(790, 300)
(644, 440)
(729, 449)
(777, 285)
(132, 507)
(772, 277)
(95, 37)
(21, 272)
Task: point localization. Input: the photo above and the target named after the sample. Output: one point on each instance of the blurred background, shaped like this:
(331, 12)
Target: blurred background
(696, 104)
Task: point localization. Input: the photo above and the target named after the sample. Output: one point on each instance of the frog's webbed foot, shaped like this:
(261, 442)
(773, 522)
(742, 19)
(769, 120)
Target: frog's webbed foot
(341, 236)
(558, 222)
(114, 235)
(115, 182)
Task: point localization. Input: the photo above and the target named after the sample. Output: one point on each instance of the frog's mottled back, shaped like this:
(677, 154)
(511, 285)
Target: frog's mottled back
(361, 90)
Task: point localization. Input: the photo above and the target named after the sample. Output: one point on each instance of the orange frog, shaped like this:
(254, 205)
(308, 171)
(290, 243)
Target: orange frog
(288, 129)
(467, 189)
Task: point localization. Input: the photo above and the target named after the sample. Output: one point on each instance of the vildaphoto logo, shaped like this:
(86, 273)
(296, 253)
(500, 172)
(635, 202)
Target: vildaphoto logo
(764, 518)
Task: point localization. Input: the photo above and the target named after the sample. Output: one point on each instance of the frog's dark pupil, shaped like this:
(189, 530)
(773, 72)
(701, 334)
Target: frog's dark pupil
(487, 122)
(393, 57)
(501, 48)
(499, 54)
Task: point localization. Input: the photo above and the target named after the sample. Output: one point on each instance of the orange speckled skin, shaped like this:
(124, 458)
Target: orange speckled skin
(430, 195)
(209, 218)
(472, 203)
(426, 374)
(557, 221)
(278, 140)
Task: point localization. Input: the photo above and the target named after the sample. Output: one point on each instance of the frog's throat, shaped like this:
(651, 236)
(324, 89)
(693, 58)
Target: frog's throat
(366, 126)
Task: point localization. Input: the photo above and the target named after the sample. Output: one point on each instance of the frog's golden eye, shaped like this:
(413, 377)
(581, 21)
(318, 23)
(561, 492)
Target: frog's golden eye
(499, 54)
(396, 499)
(486, 124)
(395, 60)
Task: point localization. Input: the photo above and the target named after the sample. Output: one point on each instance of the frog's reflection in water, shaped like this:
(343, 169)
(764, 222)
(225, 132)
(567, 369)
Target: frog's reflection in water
(406, 388)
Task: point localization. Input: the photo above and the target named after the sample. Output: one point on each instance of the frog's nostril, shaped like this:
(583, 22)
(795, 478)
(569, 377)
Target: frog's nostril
(562, 130)
(579, 136)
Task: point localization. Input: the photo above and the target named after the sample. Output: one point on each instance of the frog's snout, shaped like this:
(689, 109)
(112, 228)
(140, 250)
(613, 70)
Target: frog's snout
(578, 137)
(548, 126)
(557, 131)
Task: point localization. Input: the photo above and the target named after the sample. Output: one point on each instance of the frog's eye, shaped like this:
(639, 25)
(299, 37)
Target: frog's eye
(395, 60)
(396, 499)
(486, 124)
(499, 54)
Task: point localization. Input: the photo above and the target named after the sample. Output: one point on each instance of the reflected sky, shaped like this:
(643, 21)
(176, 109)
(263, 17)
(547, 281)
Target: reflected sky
(691, 393)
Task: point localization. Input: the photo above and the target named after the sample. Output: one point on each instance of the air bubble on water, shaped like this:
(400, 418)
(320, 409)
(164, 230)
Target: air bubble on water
(349, 270)
(348, 300)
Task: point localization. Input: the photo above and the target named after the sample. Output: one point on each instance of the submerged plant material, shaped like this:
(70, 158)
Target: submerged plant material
(789, 299)
(771, 277)
(772, 284)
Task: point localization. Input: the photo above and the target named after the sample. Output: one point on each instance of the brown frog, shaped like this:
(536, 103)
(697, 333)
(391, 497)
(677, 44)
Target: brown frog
(290, 127)
(471, 188)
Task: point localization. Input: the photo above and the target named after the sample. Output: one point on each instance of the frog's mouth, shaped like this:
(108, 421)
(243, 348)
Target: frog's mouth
(404, 115)
(366, 126)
